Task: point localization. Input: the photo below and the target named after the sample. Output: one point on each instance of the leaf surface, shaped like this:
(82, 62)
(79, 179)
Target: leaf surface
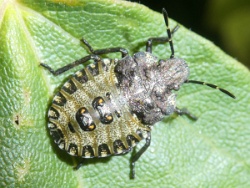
(213, 151)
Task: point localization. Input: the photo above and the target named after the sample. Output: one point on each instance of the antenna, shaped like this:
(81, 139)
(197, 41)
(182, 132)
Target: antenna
(212, 86)
(165, 15)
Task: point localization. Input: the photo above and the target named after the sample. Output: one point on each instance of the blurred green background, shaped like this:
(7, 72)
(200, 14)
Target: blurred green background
(224, 22)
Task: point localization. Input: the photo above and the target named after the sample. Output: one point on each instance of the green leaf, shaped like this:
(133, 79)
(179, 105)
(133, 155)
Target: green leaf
(225, 17)
(213, 151)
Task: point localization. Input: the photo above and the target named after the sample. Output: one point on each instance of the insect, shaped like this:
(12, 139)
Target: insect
(109, 106)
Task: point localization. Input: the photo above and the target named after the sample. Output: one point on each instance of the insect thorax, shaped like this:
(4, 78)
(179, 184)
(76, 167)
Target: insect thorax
(147, 84)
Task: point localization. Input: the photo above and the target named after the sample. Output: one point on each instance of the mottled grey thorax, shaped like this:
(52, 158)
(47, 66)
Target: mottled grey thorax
(147, 84)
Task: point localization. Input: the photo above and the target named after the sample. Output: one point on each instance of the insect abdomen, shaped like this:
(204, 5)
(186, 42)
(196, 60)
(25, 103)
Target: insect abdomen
(87, 118)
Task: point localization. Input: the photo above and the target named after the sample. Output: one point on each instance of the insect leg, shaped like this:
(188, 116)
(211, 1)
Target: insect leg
(123, 51)
(135, 157)
(159, 40)
(79, 165)
(184, 111)
(71, 65)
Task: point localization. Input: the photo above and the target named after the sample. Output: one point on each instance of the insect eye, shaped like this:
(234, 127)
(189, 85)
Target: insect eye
(176, 87)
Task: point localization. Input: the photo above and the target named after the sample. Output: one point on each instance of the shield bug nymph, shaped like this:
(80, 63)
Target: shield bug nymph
(109, 106)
